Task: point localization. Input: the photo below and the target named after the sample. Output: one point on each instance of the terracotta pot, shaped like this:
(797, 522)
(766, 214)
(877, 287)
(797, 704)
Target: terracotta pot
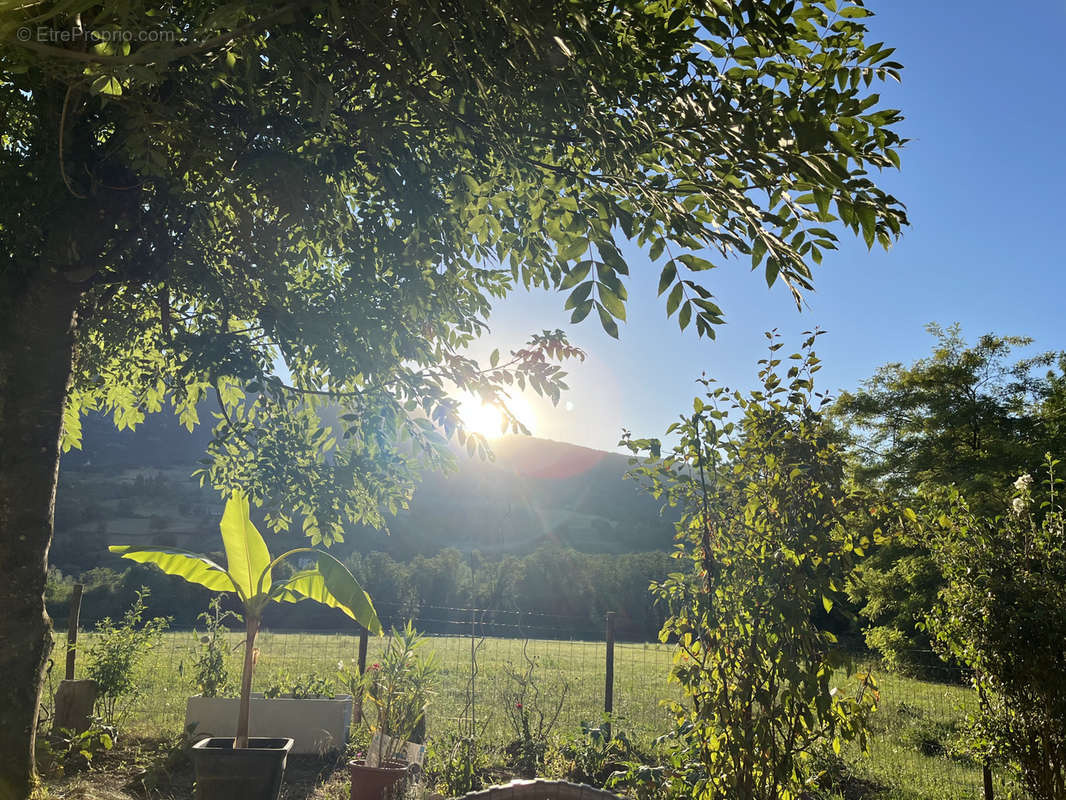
(375, 783)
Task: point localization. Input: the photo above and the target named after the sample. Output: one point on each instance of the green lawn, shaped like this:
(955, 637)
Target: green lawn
(911, 749)
(915, 729)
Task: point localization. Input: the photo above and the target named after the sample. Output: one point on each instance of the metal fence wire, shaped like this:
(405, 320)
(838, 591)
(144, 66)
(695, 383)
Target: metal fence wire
(916, 748)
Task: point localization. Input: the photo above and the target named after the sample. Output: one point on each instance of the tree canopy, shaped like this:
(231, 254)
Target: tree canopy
(970, 416)
(309, 203)
(345, 191)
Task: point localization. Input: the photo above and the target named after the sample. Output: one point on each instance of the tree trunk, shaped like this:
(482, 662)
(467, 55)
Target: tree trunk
(251, 629)
(36, 355)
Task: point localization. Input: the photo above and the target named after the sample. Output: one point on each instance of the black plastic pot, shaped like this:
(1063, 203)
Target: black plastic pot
(246, 773)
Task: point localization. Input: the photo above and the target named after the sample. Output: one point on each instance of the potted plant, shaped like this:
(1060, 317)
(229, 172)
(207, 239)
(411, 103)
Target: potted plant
(303, 708)
(395, 693)
(242, 766)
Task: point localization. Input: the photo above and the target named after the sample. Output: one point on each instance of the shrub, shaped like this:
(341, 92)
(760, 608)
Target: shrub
(598, 752)
(767, 534)
(396, 693)
(67, 750)
(300, 687)
(458, 765)
(1002, 614)
(210, 670)
(116, 652)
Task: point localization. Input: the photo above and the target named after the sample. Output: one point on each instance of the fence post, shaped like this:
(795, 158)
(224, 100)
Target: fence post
(473, 672)
(608, 692)
(986, 773)
(357, 712)
(74, 700)
(72, 629)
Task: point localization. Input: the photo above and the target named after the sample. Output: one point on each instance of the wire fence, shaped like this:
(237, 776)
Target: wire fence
(918, 730)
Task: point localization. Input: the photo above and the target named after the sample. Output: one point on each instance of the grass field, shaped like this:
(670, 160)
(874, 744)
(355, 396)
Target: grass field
(911, 757)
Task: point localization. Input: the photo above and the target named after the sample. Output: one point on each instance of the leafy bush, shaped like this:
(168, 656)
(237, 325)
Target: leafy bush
(969, 414)
(116, 652)
(1003, 616)
(675, 772)
(68, 750)
(210, 669)
(396, 693)
(895, 589)
(457, 765)
(300, 687)
(599, 752)
(768, 531)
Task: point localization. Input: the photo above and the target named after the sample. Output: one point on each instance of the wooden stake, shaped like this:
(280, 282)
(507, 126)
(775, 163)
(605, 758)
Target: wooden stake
(608, 693)
(358, 710)
(72, 629)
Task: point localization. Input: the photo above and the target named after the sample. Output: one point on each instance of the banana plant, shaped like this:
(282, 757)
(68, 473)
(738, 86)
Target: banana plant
(249, 574)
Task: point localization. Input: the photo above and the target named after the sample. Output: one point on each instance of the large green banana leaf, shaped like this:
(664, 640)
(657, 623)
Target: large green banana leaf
(249, 570)
(333, 585)
(246, 552)
(193, 567)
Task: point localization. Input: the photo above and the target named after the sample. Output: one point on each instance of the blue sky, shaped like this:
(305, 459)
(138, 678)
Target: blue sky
(983, 179)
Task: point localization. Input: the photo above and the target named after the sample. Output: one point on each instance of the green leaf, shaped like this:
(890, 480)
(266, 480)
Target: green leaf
(579, 295)
(574, 249)
(246, 552)
(758, 250)
(827, 603)
(576, 275)
(695, 263)
(193, 567)
(330, 584)
(772, 270)
(868, 220)
(581, 311)
(822, 197)
(106, 84)
(674, 300)
(612, 303)
(563, 46)
(608, 323)
(667, 277)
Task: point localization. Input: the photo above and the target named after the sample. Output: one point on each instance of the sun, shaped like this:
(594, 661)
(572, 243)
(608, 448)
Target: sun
(488, 420)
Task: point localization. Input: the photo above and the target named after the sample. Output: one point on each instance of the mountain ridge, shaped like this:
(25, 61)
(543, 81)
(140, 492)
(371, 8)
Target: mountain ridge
(134, 486)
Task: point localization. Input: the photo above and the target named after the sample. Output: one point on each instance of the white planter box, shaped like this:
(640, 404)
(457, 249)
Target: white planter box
(317, 725)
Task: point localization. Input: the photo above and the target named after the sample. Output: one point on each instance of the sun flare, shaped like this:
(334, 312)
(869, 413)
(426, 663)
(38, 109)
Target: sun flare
(488, 420)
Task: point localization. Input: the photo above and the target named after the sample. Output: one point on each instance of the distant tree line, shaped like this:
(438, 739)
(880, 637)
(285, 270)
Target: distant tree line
(558, 592)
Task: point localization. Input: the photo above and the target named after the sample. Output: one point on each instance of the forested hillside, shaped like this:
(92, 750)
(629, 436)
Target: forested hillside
(546, 526)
